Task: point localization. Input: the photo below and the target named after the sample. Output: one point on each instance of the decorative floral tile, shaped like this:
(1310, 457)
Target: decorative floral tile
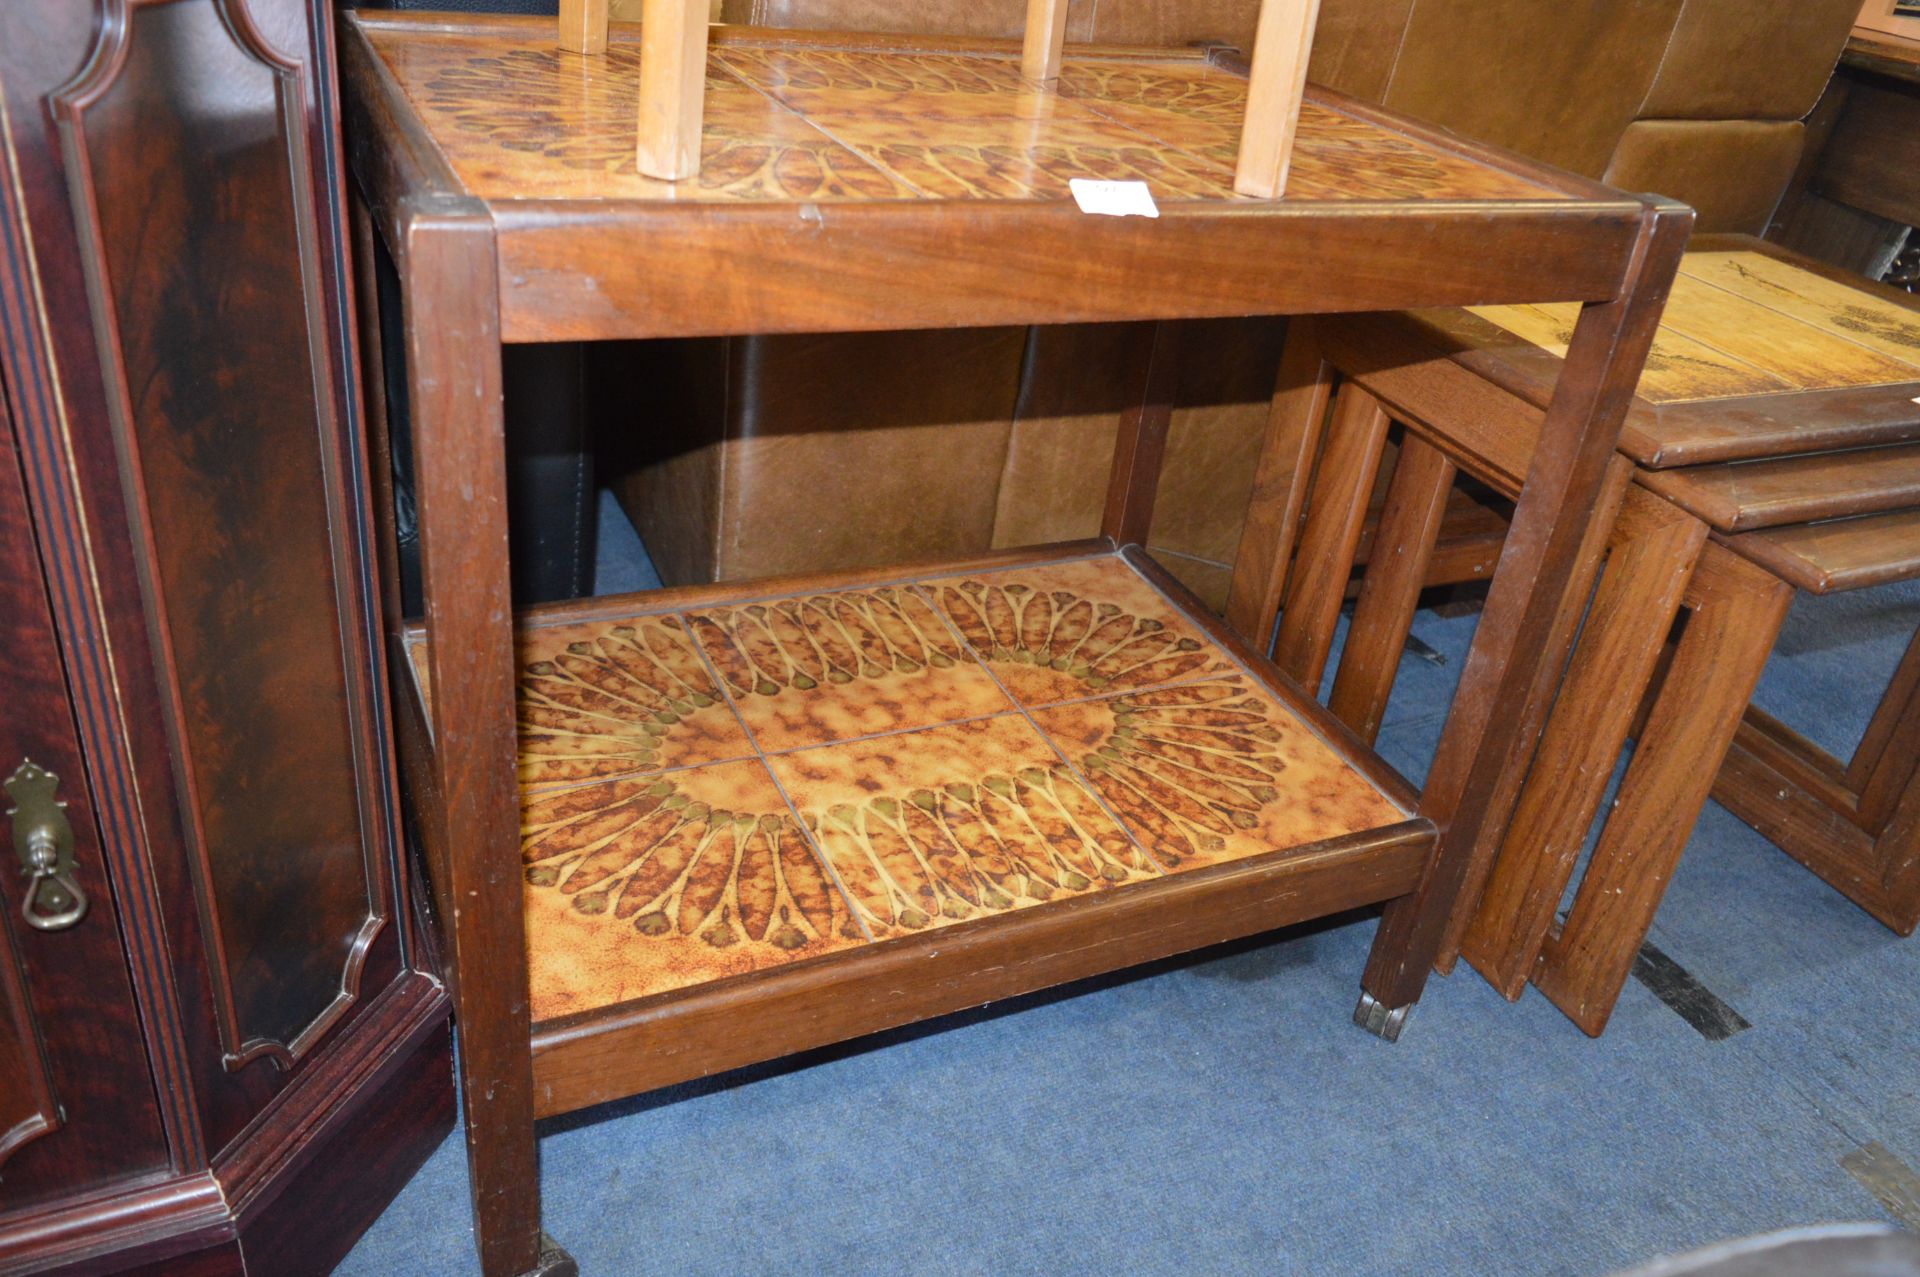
(1065, 631)
(522, 120)
(831, 667)
(1214, 770)
(937, 826)
(611, 698)
(646, 884)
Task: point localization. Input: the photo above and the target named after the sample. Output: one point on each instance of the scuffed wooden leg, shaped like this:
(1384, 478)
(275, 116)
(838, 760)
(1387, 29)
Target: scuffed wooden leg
(1383, 616)
(583, 26)
(1655, 549)
(1546, 685)
(1897, 852)
(673, 87)
(1737, 610)
(470, 819)
(1565, 481)
(1296, 424)
(1046, 36)
(1336, 516)
(1887, 763)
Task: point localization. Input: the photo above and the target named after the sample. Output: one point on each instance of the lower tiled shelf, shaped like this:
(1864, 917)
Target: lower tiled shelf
(721, 789)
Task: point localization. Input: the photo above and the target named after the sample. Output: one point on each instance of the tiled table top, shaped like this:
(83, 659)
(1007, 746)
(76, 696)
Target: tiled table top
(723, 789)
(519, 119)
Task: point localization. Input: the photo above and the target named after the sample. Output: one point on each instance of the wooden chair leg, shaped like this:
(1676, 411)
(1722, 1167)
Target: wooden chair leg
(1282, 40)
(1564, 482)
(1337, 513)
(1655, 548)
(1408, 529)
(583, 26)
(1736, 613)
(1296, 425)
(673, 87)
(472, 824)
(1046, 36)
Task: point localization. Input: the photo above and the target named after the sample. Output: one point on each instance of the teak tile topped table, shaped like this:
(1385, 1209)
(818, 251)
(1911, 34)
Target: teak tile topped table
(739, 821)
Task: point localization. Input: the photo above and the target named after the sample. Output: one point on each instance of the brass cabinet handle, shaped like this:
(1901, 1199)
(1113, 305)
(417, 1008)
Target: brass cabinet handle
(44, 840)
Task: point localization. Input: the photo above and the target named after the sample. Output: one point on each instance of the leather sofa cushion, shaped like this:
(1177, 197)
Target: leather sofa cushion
(792, 453)
(1763, 60)
(1558, 81)
(1731, 171)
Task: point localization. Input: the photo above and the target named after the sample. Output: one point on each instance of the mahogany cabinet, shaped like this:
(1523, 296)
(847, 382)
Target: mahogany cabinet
(233, 1056)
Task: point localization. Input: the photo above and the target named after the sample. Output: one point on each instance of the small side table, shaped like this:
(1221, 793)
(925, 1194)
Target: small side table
(737, 822)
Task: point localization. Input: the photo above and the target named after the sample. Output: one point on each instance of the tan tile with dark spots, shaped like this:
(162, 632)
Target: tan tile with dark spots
(1064, 631)
(930, 827)
(612, 698)
(830, 667)
(1214, 770)
(646, 884)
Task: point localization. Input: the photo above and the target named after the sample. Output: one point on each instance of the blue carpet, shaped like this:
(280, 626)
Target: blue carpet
(1219, 1115)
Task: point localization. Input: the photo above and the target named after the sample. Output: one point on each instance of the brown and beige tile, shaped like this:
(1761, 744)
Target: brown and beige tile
(956, 822)
(1214, 770)
(610, 698)
(830, 667)
(530, 122)
(1063, 631)
(642, 885)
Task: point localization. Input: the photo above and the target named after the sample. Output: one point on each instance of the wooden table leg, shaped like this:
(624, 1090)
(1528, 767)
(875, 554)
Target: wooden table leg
(1550, 523)
(1566, 625)
(1842, 823)
(1655, 547)
(1383, 615)
(1885, 765)
(1140, 446)
(1296, 424)
(1336, 516)
(1897, 850)
(1736, 610)
(471, 823)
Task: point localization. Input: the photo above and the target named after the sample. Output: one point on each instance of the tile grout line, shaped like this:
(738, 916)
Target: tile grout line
(807, 120)
(766, 766)
(1046, 737)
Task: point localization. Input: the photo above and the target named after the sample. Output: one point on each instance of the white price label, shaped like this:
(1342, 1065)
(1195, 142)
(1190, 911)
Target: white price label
(1113, 199)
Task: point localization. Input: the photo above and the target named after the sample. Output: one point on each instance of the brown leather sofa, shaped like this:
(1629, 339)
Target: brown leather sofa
(780, 454)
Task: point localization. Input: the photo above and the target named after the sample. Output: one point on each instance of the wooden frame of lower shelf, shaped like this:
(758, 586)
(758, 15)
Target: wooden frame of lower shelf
(621, 1051)
(624, 1049)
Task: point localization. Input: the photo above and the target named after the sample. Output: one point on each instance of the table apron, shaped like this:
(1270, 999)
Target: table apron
(570, 274)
